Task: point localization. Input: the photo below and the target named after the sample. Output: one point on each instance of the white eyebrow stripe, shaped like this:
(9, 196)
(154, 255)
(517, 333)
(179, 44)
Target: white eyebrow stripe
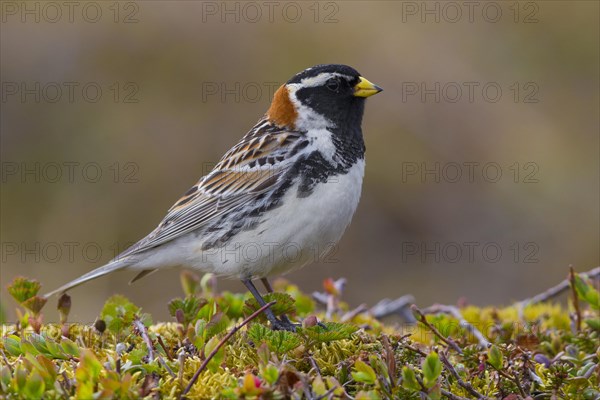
(320, 79)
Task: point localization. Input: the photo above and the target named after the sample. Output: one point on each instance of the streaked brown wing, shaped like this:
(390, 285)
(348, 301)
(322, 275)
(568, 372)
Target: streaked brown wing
(250, 168)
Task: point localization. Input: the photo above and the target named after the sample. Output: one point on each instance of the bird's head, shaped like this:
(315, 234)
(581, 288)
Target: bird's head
(321, 97)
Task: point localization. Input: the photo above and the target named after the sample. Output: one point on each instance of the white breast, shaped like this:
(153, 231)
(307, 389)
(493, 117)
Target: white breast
(294, 234)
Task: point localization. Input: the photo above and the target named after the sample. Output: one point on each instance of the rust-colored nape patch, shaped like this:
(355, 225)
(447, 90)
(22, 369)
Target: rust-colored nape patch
(282, 110)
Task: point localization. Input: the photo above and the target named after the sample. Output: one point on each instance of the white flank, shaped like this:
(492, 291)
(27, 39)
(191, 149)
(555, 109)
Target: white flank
(298, 232)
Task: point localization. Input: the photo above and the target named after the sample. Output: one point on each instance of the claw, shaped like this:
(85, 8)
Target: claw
(284, 324)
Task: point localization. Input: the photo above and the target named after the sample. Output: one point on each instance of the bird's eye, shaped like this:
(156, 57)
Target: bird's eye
(333, 84)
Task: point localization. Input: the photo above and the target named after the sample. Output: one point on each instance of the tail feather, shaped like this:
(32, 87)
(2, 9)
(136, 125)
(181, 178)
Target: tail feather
(142, 274)
(98, 272)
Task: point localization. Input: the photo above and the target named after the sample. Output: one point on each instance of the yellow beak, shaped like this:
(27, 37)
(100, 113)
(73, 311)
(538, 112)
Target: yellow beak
(364, 88)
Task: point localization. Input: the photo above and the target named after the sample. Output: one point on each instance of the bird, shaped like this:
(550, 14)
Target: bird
(277, 200)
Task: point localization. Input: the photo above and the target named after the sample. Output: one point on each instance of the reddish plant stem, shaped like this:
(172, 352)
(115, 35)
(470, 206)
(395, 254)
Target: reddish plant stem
(221, 343)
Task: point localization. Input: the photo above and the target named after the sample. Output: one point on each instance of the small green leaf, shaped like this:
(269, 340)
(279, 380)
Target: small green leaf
(189, 282)
(34, 304)
(363, 373)
(435, 393)
(118, 313)
(263, 353)
(48, 371)
(208, 283)
(304, 304)
(258, 333)
(69, 347)
(34, 389)
(87, 374)
(283, 341)
(22, 289)
(284, 305)
(270, 374)
(229, 394)
(12, 344)
(232, 304)
(379, 366)
(216, 361)
(495, 357)
(90, 363)
(55, 350)
(190, 306)
(333, 384)
(318, 386)
(217, 324)
(136, 355)
(593, 323)
(39, 342)
(330, 332)
(585, 369)
(277, 341)
(409, 380)
(28, 348)
(20, 378)
(5, 377)
(432, 368)
(200, 327)
(587, 292)
(367, 395)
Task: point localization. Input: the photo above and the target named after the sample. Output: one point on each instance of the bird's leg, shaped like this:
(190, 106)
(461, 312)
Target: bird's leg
(284, 317)
(275, 323)
(269, 288)
(267, 285)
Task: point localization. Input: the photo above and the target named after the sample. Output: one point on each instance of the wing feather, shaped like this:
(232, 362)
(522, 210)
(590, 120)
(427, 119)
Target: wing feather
(247, 170)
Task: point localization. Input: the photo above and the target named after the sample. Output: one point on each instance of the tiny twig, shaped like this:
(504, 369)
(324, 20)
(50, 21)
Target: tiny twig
(181, 359)
(452, 396)
(164, 364)
(575, 299)
(332, 303)
(446, 393)
(399, 306)
(467, 386)
(351, 314)
(10, 368)
(118, 364)
(320, 298)
(162, 344)
(455, 312)
(389, 358)
(414, 350)
(331, 298)
(314, 365)
(330, 391)
(433, 329)
(518, 383)
(514, 378)
(141, 328)
(409, 347)
(558, 289)
(221, 343)
(62, 383)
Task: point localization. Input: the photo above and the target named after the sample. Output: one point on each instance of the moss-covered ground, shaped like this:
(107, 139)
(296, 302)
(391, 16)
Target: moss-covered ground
(538, 349)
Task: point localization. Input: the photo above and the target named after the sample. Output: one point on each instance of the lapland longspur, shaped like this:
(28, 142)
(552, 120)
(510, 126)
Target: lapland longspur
(282, 195)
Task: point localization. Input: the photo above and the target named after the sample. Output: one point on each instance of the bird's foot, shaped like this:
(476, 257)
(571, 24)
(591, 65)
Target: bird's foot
(322, 325)
(284, 324)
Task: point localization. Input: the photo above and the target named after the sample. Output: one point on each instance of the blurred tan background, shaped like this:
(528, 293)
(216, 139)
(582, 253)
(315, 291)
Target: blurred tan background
(502, 100)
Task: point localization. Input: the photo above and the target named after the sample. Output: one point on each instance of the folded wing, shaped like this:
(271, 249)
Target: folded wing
(252, 167)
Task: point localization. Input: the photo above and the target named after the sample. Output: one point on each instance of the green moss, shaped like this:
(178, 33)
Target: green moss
(534, 353)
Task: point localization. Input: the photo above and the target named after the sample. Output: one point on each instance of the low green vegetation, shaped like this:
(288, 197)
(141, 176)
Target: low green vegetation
(530, 350)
